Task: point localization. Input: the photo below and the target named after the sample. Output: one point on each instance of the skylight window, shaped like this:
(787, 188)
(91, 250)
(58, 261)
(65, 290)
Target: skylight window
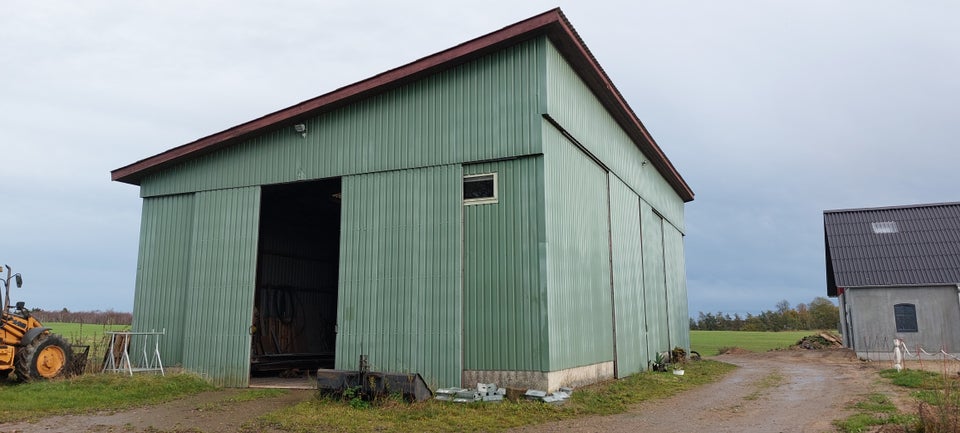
(884, 227)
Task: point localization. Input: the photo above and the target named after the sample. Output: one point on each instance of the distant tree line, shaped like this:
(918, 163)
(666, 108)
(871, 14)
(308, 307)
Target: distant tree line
(818, 314)
(95, 317)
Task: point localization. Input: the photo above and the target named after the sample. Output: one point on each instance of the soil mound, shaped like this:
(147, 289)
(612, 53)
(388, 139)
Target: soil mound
(821, 341)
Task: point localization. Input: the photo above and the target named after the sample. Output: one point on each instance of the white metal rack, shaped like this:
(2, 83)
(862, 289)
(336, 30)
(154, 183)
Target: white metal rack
(120, 362)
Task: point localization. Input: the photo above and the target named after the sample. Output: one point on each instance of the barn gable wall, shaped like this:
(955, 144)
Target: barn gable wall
(485, 109)
(571, 103)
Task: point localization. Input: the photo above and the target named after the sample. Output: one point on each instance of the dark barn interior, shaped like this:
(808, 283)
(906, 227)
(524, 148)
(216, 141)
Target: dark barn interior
(295, 304)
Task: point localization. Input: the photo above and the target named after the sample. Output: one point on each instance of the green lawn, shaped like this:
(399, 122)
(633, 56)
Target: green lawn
(707, 343)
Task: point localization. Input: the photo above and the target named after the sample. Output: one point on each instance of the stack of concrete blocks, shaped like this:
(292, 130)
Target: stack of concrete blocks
(487, 392)
(556, 397)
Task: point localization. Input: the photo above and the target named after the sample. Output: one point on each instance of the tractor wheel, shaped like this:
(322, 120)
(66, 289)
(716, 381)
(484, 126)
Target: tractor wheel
(46, 357)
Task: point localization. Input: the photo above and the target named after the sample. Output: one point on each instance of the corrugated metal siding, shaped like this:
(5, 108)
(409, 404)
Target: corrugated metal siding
(654, 281)
(163, 271)
(631, 329)
(219, 306)
(485, 109)
(676, 273)
(578, 255)
(400, 273)
(504, 316)
(924, 250)
(571, 103)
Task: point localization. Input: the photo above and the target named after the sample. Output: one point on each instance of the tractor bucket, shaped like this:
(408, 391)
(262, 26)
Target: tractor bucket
(373, 384)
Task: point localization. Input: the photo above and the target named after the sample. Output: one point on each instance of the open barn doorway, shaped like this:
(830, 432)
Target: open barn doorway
(295, 304)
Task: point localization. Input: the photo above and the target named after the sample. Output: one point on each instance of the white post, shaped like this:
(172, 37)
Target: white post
(897, 354)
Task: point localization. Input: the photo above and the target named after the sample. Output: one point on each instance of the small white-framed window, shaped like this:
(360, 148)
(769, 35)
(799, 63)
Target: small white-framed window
(480, 188)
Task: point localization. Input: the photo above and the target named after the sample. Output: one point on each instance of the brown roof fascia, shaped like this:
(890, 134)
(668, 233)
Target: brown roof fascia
(552, 23)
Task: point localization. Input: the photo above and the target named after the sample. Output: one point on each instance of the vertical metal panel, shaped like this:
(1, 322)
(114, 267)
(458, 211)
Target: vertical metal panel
(654, 280)
(578, 255)
(504, 323)
(400, 273)
(629, 302)
(576, 108)
(485, 109)
(676, 280)
(163, 270)
(219, 305)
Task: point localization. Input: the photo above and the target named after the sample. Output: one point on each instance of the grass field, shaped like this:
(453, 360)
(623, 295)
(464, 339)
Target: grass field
(78, 333)
(707, 343)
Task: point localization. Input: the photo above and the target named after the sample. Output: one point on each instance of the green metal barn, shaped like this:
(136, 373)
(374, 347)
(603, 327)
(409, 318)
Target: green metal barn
(494, 212)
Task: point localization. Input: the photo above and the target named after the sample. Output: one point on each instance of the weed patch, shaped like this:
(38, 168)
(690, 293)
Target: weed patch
(875, 410)
(771, 380)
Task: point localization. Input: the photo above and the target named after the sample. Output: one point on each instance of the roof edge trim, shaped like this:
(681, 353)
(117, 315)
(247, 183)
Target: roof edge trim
(551, 23)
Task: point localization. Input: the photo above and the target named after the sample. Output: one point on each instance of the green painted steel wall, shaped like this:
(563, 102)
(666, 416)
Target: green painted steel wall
(504, 316)
(163, 271)
(578, 255)
(485, 109)
(219, 304)
(400, 273)
(629, 302)
(676, 287)
(654, 281)
(571, 103)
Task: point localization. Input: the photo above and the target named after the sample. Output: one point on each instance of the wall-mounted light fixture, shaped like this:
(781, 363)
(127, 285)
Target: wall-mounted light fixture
(301, 128)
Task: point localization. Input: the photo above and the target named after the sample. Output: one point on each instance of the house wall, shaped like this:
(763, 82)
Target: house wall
(482, 110)
(873, 325)
(400, 273)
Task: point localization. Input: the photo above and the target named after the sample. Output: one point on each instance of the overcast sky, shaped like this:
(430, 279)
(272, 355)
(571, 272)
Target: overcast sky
(773, 111)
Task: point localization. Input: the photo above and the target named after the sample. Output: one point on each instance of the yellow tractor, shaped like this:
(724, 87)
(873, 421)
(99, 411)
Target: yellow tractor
(26, 346)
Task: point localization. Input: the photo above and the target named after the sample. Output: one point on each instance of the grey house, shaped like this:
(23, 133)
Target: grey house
(493, 212)
(896, 272)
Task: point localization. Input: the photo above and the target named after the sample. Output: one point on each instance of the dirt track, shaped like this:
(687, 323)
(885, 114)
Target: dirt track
(785, 391)
(788, 391)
